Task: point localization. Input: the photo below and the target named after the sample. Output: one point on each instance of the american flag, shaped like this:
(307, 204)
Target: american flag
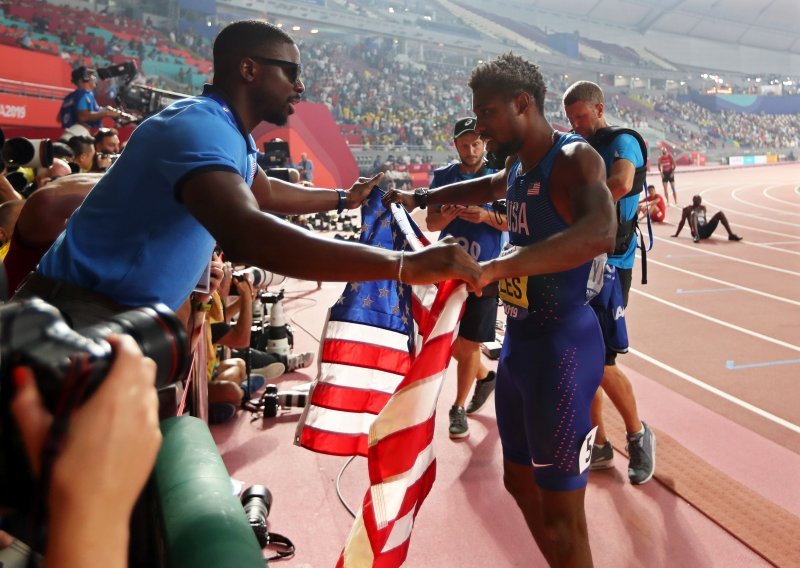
(533, 188)
(384, 355)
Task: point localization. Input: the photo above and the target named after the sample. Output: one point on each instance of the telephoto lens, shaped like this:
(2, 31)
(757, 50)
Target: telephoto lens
(257, 501)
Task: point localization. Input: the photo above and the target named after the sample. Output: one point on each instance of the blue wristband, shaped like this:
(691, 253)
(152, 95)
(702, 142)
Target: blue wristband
(342, 200)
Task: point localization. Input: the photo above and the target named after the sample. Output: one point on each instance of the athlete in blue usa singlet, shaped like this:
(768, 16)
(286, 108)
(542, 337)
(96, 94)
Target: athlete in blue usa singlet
(552, 357)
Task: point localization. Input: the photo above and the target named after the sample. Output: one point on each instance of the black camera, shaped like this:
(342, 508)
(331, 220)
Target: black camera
(33, 333)
(69, 365)
(272, 400)
(257, 501)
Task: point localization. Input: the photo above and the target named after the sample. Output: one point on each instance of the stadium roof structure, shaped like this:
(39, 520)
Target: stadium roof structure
(765, 24)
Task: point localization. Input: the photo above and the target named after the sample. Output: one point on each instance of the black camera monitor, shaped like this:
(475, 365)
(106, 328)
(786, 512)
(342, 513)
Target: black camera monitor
(276, 153)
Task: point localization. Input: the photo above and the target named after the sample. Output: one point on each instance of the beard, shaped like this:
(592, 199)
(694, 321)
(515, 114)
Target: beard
(276, 117)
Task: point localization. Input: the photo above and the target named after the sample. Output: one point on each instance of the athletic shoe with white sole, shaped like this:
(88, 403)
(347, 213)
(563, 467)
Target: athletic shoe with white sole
(458, 422)
(602, 456)
(483, 388)
(642, 451)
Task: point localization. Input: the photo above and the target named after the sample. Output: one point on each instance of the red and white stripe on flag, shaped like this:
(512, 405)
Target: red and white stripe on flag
(401, 462)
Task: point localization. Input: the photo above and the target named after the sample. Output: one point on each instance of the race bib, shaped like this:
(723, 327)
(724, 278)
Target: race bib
(585, 457)
(514, 292)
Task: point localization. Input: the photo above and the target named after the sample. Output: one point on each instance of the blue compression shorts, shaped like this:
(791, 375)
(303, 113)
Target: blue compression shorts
(546, 380)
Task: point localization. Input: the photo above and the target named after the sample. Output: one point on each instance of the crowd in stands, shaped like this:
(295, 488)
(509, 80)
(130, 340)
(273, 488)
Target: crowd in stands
(378, 95)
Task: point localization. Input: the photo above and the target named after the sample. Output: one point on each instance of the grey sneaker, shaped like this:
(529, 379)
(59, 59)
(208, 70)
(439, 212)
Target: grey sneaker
(483, 388)
(458, 422)
(642, 451)
(602, 456)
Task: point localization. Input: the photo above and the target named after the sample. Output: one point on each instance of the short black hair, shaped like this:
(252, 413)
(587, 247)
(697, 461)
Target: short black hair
(62, 150)
(80, 144)
(240, 39)
(510, 75)
(104, 133)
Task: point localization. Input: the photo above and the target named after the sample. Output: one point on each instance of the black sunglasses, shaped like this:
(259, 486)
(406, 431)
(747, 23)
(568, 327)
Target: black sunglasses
(294, 70)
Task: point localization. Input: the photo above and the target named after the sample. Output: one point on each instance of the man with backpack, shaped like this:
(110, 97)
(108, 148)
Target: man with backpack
(625, 156)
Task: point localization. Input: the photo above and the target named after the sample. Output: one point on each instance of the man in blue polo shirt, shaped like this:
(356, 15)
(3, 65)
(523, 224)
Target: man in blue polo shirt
(481, 231)
(188, 178)
(625, 169)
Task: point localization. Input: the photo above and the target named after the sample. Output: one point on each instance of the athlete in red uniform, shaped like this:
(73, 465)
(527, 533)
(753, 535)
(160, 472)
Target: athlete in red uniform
(666, 165)
(654, 204)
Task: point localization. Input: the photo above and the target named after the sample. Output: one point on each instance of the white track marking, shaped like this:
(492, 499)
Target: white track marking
(750, 204)
(723, 323)
(720, 393)
(773, 198)
(697, 248)
(725, 282)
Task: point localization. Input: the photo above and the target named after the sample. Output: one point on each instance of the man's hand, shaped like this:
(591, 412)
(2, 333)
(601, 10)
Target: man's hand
(404, 198)
(441, 261)
(473, 214)
(358, 194)
(245, 288)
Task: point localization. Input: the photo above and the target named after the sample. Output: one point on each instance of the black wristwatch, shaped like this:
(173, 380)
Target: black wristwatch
(421, 197)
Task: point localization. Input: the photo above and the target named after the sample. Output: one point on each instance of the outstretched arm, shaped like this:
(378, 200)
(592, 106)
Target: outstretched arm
(473, 192)
(286, 198)
(224, 204)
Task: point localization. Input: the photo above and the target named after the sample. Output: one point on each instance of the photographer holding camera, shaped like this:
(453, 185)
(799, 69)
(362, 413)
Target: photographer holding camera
(79, 111)
(188, 179)
(83, 529)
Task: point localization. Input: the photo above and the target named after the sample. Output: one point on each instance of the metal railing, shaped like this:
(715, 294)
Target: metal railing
(33, 89)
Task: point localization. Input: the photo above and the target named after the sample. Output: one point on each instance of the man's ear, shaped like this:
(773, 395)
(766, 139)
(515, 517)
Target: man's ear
(523, 101)
(600, 109)
(247, 69)
(5, 236)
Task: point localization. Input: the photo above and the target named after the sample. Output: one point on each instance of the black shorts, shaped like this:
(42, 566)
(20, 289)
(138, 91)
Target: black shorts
(625, 276)
(705, 231)
(668, 176)
(480, 317)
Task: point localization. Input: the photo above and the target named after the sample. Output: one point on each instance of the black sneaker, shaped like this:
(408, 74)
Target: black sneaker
(734, 237)
(483, 388)
(697, 238)
(642, 451)
(458, 422)
(602, 456)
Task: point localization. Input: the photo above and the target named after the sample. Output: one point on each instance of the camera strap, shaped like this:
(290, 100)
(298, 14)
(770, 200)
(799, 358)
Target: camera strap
(278, 540)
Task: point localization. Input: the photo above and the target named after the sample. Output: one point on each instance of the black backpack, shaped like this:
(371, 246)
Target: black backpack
(628, 229)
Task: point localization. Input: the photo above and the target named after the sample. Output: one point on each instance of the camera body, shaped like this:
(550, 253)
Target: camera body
(69, 365)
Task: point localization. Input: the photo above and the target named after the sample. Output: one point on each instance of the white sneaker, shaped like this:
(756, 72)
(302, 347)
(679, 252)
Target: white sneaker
(299, 361)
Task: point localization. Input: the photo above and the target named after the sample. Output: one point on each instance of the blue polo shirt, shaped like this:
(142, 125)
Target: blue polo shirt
(132, 239)
(79, 99)
(624, 147)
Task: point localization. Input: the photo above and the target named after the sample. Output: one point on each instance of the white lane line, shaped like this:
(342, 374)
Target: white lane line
(723, 282)
(738, 225)
(712, 319)
(727, 211)
(698, 248)
(751, 204)
(769, 247)
(773, 198)
(797, 242)
(720, 393)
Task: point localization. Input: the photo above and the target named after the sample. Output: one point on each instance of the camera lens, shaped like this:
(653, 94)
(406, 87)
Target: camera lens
(159, 334)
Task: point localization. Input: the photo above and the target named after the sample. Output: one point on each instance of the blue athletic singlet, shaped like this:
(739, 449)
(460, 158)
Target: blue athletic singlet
(552, 358)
